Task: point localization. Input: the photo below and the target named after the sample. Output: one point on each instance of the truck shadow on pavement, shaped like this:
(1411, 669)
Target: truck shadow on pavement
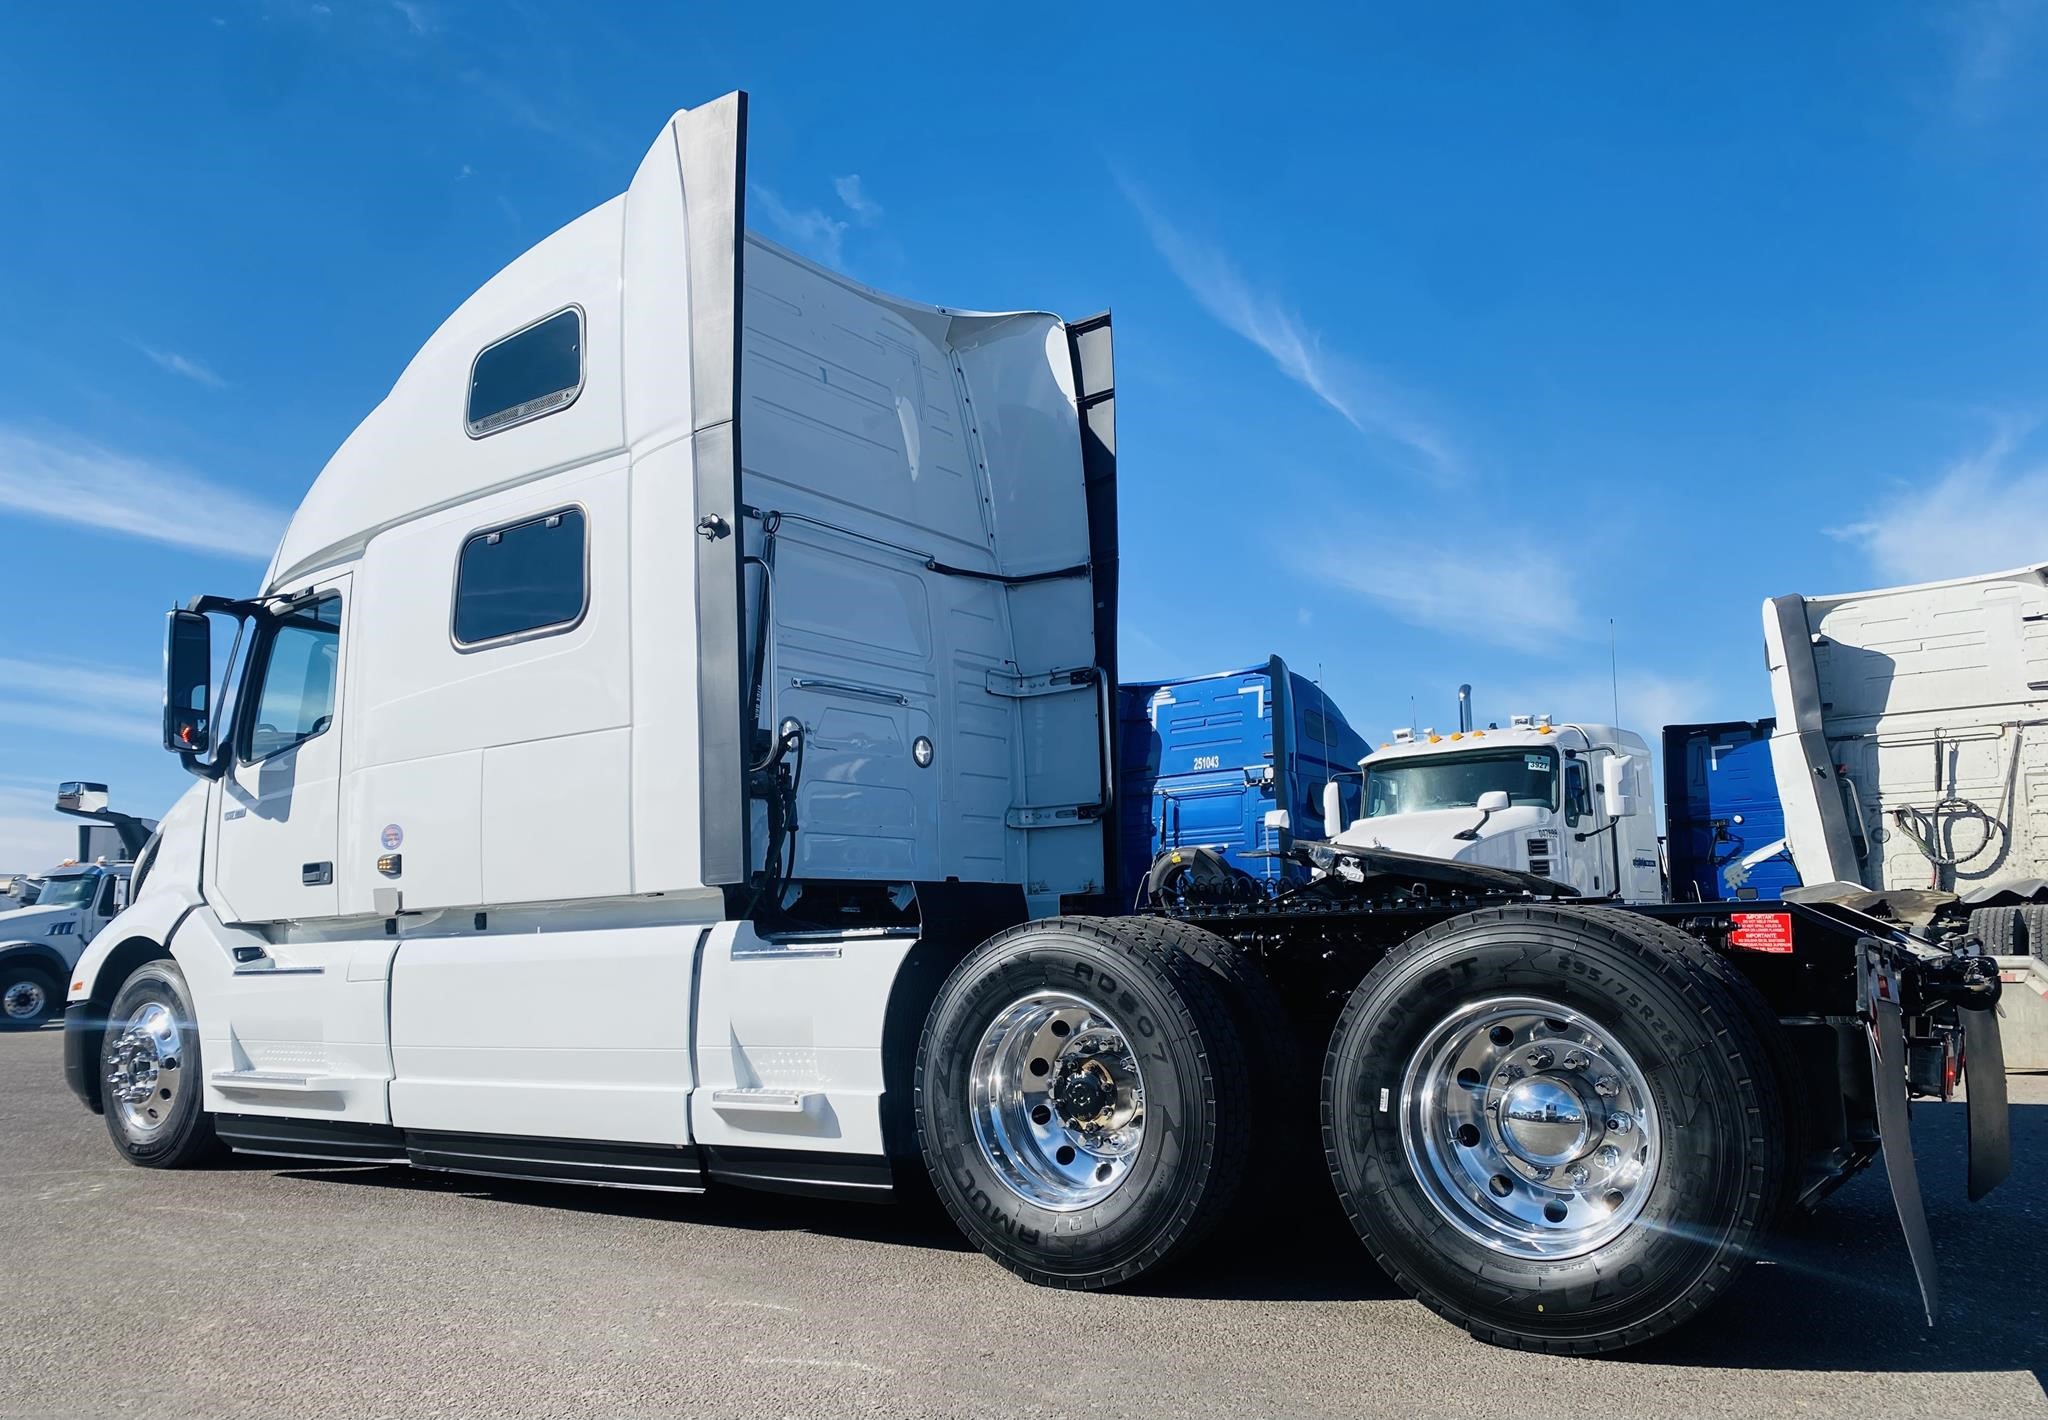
(914, 1219)
(1835, 1293)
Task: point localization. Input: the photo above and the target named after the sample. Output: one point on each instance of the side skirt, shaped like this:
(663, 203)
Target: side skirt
(672, 1169)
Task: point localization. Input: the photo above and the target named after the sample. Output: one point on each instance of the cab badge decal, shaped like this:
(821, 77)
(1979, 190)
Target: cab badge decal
(391, 837)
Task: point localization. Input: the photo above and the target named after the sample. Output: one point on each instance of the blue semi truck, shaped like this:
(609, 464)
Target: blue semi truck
(1724, 826)
(1206, 760)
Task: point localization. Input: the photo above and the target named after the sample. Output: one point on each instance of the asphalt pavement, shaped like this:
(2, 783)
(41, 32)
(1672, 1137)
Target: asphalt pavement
(267, 1288)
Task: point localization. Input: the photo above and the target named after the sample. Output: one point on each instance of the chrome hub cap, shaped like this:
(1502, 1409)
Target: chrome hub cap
(144, 1074)
(1529, 1128)
(1057, 1101)
(23, 1001)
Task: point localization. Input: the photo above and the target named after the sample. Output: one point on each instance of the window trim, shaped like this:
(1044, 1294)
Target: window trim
(532, 633)
(562, 398)
(259, 668)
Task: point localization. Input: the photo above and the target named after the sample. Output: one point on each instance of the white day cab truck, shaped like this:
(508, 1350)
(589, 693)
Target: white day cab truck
(673, 747)
(41, 941)
(1562, 802)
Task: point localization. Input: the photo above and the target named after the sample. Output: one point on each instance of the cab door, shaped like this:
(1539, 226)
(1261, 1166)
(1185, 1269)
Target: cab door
(279, 801)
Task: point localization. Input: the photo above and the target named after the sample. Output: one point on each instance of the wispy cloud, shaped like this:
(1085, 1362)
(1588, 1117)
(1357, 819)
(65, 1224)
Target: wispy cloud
(814, 233)
(418, 18)
(1990, 38)
(31, 836)
(82, 683)
(812, 230)
(195, 370)
(1480, 589)
(865, 209)
(1366, 399)
(66, 479)
(76, 702)
(1985, 512)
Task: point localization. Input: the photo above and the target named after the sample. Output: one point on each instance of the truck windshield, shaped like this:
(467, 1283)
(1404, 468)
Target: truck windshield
(1456, 781)
(74, 891)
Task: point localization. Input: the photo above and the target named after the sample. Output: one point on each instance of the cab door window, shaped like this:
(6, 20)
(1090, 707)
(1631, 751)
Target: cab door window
(104, 907)
(1577, 802)
(294, 700)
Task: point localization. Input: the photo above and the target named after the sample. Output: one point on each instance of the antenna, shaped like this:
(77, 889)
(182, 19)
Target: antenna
(1614, 670)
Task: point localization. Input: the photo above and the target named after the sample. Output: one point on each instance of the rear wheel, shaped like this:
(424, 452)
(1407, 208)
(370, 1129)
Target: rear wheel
(28, 997)
(150, 1072)
(2002, 930)
(1556, 1131)
(1081, 1099)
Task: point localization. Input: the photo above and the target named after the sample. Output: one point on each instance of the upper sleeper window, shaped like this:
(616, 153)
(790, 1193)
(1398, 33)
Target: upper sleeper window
(533, 372)
(520, 580)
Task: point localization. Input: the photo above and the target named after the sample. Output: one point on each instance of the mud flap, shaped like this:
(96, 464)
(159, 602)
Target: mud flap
(1894, 1126)
(1984, 1084)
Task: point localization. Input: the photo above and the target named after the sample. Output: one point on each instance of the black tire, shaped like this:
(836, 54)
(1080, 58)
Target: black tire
(1185, 1172)
(183, 1137)
(2033, 931)
(29, 997)
(1785, 1074)
(1283, 1124)
(1721, 1132)
(2002, 930)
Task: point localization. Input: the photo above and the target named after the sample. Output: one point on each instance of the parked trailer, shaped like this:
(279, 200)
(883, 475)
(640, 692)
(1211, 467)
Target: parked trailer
(687, 685)
(1210, 761)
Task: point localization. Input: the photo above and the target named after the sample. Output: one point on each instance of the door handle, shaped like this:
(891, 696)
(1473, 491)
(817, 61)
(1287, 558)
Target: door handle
(316, 874)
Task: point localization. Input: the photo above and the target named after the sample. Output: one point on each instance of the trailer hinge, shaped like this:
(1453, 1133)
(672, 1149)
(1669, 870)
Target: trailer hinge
(1020, 687)
(1053, 815)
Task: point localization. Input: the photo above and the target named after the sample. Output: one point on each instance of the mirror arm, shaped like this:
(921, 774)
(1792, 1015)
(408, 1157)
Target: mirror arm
(1469, 835)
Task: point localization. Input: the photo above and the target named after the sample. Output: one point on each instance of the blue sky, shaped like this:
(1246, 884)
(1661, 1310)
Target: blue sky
(1444, 333)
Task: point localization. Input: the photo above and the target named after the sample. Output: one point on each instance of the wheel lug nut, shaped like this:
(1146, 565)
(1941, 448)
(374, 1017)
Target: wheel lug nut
(1539, 1058)
(1619, 1124)
(1508, 1073)
(1609, 1156)
(1575, 1061)
(1578, 1175)
(1607, 1087)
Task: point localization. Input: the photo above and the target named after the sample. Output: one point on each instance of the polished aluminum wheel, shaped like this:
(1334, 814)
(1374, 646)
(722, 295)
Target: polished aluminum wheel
(1529, 1127)
(24, 1001)
(1057, 1100)
(144, 1073)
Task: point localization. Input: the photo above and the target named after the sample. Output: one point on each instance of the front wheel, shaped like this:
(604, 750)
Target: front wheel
(1554, 1129)
(150, 1072)
(1082, 1099)
(28, 997)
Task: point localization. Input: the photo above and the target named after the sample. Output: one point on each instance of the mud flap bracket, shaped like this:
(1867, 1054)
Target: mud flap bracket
(1880, 987)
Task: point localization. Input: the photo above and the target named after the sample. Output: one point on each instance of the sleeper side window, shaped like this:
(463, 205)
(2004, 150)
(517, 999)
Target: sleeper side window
(295, 701)
(528, 579)
(529, 373)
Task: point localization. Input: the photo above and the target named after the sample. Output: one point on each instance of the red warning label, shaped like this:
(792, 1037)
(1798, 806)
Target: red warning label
(1761, 931)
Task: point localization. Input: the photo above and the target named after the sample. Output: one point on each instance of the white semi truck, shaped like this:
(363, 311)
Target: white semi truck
(1911, 741)
(672, 748)
(40, 941)
(1564, 802)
